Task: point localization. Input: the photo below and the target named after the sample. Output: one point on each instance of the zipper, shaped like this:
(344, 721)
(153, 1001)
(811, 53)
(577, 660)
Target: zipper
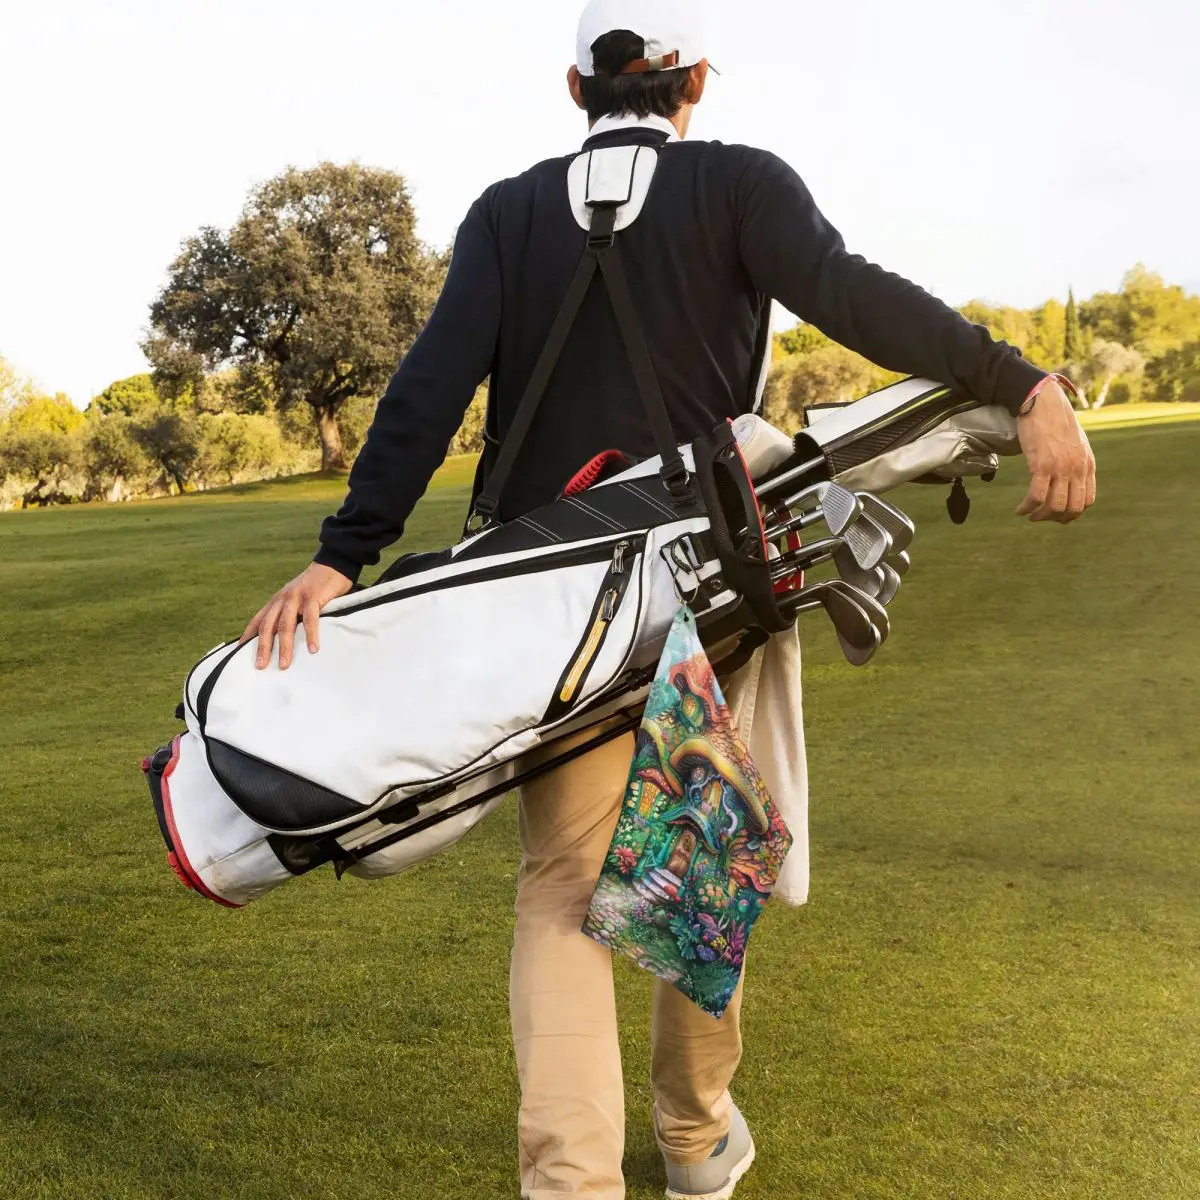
(612, 592)
(571, 556)
(547, 562)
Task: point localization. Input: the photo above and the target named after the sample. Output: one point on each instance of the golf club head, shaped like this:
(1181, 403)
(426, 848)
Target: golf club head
(898, 525)
(866, 580)
(899, 562)
(836, 506)
(857, 634)
(869, 542)
(890, 583)
(876, 613)
(840, 507)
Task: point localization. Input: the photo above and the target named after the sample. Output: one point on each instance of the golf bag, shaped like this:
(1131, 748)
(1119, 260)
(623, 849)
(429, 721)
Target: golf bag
(433, 688)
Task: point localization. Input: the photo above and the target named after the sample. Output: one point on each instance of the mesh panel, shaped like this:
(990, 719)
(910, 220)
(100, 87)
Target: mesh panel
(274, 797)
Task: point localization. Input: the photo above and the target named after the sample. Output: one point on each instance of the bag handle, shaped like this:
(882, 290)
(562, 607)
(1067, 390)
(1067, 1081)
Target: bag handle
(600, 254)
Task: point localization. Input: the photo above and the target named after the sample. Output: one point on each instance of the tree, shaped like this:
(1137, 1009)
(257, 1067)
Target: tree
(172, 440)
(13, 388)
(44, 414)
(1176, 374)
(800, 339)
(112, 456)
(239, 444)
(1147, 314)
(1073, 342)
(40, 446)
(319, 289)
(1105, 363)
(127, 396)
(469, 438)
(830, 374)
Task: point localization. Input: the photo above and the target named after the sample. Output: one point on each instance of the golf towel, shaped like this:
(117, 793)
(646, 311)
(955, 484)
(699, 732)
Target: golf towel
(698, 845)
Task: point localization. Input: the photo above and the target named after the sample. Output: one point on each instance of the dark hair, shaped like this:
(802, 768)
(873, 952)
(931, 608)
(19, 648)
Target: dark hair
(608, 92)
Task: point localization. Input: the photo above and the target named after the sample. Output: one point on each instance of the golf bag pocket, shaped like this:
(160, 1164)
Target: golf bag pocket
(420, 683)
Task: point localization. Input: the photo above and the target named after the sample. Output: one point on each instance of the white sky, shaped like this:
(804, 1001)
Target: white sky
(996, 149)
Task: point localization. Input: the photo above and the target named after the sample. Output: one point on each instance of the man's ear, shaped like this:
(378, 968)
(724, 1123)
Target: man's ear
(574, 88)
(697, 78)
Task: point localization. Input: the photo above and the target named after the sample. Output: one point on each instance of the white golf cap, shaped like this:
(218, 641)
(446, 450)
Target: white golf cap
(672, 33)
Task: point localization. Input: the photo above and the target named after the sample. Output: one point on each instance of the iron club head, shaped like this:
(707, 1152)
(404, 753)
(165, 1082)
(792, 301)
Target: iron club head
(858, 635)
(836, 506)
(898, 525)
(889, 583)
(876, 613)
(866, 580)
(869, 542)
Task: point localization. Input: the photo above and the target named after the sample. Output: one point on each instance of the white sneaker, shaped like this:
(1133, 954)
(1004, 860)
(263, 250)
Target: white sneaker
(717, 1176)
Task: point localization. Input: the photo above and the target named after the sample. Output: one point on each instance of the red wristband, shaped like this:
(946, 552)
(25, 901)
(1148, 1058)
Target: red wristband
(1062, 381)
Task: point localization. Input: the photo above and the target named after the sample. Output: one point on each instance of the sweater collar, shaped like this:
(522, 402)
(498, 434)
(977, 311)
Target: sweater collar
(628, 123)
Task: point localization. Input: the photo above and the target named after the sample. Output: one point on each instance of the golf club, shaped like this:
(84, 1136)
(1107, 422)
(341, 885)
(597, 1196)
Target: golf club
(836, 505)
(869, 542)
(808, 556)
(866, 580)
(875, 611)
(858, 636)
(773, 485)
(898, 525)
(899, 562)
(890, 583)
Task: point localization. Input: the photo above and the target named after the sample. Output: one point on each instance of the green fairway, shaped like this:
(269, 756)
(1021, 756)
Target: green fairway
(994, 992)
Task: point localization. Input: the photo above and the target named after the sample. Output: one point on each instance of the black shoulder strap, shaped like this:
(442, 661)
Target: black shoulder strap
(601, 253)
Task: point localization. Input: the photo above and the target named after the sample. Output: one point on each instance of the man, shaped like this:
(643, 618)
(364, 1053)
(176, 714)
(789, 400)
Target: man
(724, 229)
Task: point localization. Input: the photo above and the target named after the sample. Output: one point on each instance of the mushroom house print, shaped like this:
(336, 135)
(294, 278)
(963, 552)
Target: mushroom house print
(698, 845)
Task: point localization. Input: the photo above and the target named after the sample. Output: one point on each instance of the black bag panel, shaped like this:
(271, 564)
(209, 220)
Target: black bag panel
(275, 798)
(622, 507)
(413, 564)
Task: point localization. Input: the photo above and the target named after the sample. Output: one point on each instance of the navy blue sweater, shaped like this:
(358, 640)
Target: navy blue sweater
(723, 229)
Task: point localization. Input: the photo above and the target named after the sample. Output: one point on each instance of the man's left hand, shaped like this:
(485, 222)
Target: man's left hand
(1061, 465)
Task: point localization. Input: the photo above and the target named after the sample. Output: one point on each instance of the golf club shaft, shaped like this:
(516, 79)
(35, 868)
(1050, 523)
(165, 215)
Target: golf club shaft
(773, 485)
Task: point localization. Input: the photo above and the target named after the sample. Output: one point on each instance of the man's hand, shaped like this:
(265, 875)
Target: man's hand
(302, 599)
(1061, 464)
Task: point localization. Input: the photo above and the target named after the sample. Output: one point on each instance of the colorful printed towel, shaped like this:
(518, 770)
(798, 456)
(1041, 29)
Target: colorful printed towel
(698, 845)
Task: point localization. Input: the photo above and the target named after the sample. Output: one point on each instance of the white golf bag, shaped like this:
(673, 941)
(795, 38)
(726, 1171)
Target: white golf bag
(432, 687)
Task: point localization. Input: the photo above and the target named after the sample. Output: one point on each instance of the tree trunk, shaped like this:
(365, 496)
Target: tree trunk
(333, 456)
(1100, 399)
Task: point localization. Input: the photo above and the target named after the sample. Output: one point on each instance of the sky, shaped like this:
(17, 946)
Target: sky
(1001, 150)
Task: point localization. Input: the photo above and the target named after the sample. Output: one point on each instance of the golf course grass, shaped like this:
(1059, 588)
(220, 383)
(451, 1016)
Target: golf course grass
(994, 992)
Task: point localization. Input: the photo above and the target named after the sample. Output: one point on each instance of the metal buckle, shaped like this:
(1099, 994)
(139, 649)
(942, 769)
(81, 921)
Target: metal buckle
(477, 523)
(683, 561)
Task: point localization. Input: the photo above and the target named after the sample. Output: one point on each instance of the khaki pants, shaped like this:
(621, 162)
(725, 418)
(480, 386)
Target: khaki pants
(572, 1121)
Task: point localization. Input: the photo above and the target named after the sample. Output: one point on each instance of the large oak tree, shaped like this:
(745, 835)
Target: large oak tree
(317, 291)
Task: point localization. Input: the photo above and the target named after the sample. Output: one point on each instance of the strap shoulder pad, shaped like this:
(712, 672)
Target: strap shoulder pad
(613, 174)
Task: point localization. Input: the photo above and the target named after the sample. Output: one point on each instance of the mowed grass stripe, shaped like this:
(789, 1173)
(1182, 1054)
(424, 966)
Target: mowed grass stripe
(993, 993)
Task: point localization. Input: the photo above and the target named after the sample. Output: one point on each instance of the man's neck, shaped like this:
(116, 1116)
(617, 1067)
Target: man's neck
(673, 127)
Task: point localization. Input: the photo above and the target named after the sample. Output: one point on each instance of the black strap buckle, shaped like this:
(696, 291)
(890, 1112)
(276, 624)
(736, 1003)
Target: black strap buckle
(602, 230)
(482, 516)
(677, 481)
